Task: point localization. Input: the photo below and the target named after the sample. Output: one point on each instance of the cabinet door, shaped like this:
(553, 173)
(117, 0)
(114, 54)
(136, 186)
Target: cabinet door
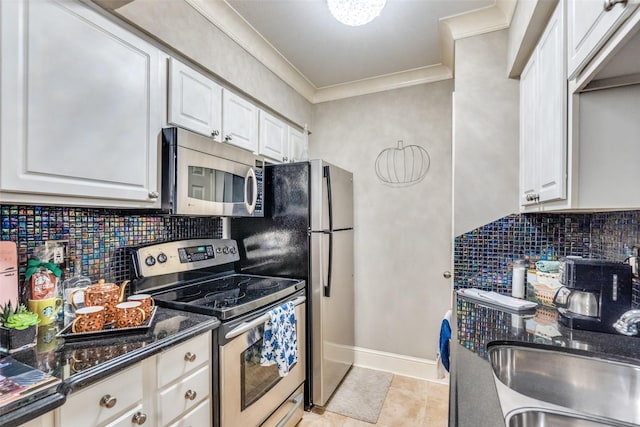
(551, 115)
(81, 107)
(298, 145)
(273, 137)
(199, 416)
(46, 420)
(195, 101)
(528, 139)
(239, 121)
(106, 400)
(589, 25)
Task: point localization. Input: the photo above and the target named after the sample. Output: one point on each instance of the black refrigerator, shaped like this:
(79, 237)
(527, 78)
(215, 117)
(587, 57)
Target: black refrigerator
(307, 233)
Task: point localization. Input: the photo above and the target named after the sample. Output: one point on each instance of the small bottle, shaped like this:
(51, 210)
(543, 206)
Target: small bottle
(517, 281)
(78, 281)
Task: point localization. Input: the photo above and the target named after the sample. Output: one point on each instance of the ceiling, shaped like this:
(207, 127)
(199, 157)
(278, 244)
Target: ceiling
(404, 36)
(411, 42)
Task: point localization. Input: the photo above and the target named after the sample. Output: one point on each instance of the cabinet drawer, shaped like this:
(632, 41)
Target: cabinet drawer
(185, 394)
(183, 359)
(199, 416)
(84, 407)
(127, 419)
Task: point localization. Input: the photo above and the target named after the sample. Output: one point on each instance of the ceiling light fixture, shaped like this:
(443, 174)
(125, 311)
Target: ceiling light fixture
(355, 12)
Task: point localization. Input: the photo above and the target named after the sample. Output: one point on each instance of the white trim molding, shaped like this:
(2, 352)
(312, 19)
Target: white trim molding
(452, 28)
(398, 364)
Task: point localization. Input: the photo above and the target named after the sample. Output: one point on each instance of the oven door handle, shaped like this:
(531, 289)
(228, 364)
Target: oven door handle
(244, 327)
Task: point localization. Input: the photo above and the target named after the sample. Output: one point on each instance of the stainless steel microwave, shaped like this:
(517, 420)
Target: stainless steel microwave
(201, 177)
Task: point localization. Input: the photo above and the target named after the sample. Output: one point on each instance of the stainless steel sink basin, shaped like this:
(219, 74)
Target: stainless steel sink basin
(535, 418)
(585, 385)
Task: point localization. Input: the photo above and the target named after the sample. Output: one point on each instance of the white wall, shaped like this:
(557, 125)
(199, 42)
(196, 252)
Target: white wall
(184, 29)
(486, 142)
(402, 235)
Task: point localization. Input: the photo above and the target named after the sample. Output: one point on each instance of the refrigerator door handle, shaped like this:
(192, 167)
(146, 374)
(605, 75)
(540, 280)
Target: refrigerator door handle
(326, 173)
(327, 286)
(250, 180)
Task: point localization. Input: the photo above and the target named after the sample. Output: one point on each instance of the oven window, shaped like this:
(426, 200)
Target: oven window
(215, 186)
(256, 379)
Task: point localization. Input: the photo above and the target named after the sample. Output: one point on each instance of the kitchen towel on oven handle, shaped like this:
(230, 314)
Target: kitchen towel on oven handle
(280, 341)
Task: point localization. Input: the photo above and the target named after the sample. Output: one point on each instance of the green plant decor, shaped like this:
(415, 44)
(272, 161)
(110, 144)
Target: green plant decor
(18, 327)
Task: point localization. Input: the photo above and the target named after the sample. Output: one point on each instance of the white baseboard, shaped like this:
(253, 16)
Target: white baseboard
(398, 364)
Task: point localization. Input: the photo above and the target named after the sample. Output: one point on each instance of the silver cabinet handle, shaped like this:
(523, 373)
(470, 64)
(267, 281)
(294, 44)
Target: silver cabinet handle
(609, 4)
(228, 138)
(154, 194)
(108, 402)
(189, 357)
(215, 132)
(190, 395)
(446, 275)
(139, 418)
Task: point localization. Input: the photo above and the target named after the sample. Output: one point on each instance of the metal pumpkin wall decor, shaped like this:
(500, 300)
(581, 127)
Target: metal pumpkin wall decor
(402, 166)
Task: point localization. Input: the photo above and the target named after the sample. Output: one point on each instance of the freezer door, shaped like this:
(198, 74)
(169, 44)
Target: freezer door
(331, 197)
(332, 321)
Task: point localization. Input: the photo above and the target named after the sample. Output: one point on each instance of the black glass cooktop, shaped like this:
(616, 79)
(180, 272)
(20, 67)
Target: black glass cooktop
(229, 296)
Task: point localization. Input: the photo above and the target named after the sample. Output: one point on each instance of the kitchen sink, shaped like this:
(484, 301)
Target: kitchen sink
(538, 418)
(534, 377)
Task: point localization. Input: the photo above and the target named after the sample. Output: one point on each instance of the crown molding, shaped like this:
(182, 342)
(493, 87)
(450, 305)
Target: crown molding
(223, 16)
(430, 74)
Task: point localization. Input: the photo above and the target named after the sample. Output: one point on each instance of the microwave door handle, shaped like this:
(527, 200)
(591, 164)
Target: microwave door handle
(250, 179)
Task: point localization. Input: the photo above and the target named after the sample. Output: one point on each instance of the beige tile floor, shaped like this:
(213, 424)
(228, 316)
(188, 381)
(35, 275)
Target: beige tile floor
(409, 403)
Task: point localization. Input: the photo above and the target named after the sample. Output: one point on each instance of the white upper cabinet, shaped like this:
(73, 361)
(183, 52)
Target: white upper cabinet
(195, 101)
(273, 137)
(528, 137)
(239, 121)
(589, 25)
(298, 145)
(543, 136)
(81, 108)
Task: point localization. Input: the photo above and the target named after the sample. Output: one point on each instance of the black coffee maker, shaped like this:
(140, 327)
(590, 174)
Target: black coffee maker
(594, 295)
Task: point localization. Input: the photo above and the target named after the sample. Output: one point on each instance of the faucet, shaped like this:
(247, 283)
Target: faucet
(627, 324)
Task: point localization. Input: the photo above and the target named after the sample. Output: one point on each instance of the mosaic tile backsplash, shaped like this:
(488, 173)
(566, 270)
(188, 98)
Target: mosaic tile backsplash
(483, 257)
(97, 237)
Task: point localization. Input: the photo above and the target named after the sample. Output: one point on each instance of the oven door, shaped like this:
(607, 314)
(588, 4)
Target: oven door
(249, 392)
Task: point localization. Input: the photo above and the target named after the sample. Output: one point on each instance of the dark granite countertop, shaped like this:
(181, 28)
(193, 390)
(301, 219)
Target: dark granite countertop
(473, 396)
(80, 363)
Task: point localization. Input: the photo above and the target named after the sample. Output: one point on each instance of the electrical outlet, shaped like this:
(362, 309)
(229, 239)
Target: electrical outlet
(59, 250)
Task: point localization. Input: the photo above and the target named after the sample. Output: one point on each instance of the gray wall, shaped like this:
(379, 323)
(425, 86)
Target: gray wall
(178, 25)
(402, 235)
(486, 133)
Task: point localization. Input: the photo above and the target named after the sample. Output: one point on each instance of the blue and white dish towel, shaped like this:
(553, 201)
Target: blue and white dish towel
(280, 342)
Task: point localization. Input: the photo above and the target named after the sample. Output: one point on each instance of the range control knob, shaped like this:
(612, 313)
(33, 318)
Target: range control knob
(233, 249)
(162, 258)
(150, 260)
(225, 250)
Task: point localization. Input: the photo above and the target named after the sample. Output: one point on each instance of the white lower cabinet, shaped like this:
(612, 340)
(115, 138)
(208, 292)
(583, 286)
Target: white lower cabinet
(198, 416)
(46, 420)
(171, 388)
(106, 403)
(184, 384)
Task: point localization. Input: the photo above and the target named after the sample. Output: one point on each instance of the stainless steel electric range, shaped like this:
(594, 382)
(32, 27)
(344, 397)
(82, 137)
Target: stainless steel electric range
(199, 276)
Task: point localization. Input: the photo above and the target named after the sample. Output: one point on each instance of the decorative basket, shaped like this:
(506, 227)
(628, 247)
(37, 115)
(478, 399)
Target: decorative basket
(546, 286)
(12, 340)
